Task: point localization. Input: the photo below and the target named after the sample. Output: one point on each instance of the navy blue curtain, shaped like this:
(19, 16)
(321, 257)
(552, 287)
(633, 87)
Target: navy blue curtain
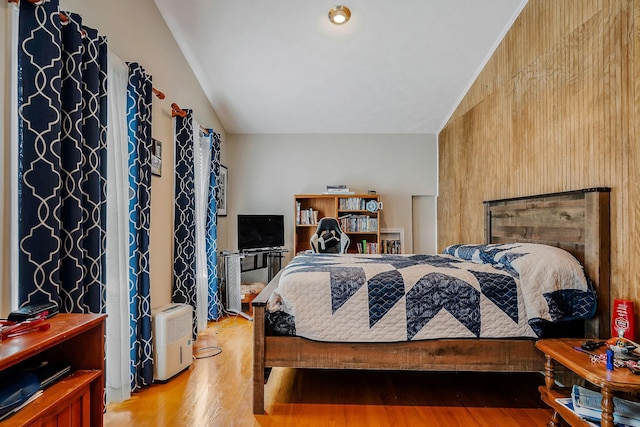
(184, 243)
(212, 229)
(139, 93)
(62, 160)
(185, 212)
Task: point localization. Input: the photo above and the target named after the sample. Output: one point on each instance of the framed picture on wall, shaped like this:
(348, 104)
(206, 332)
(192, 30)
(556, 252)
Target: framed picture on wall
(222, 201)
(156, 157)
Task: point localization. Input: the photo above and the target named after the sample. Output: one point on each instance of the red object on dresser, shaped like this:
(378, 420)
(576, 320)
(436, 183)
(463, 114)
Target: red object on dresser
(623, 319)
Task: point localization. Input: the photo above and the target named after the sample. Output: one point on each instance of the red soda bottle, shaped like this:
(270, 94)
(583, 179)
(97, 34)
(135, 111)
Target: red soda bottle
(623, 319)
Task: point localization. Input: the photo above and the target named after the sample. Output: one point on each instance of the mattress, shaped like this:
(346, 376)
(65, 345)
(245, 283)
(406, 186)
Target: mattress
(470, 291)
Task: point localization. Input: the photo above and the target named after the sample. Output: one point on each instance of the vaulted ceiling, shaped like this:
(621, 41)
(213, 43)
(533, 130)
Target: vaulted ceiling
(280, 66)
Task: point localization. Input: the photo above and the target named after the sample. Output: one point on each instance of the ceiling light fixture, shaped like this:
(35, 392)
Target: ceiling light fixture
(339, 15)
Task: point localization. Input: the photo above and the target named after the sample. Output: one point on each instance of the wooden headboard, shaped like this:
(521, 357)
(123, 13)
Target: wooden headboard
(577, 221)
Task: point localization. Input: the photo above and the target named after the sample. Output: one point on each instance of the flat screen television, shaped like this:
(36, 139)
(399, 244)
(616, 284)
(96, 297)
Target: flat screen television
(260, 231)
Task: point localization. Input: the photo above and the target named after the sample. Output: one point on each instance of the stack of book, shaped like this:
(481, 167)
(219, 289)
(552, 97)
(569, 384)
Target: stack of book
(365, 247)
(358, 223)
(305, 216)
(586, 403)
(338, 189)
(352, 204)
(391, 246)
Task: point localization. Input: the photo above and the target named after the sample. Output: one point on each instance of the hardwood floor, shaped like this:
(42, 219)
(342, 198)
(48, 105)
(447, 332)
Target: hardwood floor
(216, 391)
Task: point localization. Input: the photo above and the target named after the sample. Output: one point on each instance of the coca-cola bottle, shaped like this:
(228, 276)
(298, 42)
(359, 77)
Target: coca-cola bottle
(623, 319)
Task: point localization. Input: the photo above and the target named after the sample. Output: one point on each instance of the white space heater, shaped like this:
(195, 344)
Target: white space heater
(233, 271)
(172, 343)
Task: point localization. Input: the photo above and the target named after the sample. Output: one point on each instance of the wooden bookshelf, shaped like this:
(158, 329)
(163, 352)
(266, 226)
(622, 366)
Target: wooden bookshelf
(392, 240)
(78, 399)
(350, 209)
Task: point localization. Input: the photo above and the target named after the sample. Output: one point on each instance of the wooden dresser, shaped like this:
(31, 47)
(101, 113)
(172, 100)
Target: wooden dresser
(78, 399)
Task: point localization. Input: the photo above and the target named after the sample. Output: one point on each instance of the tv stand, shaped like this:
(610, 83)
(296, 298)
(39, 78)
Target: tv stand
(255, 259)
(235, 263)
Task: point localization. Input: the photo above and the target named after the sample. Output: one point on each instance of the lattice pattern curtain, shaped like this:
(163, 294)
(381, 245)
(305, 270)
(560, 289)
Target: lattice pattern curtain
(213, 303)
(195, 276)
(62, 160)
(62, 182)
(139, 93)
(129, 363)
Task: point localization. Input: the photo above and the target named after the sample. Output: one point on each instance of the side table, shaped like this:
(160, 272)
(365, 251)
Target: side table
(563, 352)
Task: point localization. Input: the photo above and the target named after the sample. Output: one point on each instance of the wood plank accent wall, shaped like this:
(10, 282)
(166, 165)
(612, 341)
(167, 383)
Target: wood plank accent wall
(556, 108)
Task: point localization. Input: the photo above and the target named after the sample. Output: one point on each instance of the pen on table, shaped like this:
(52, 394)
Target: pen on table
(582, 350)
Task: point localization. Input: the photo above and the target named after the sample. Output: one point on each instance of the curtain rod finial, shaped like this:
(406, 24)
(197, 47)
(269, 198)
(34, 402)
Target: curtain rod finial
(177, 111)
(158, 93)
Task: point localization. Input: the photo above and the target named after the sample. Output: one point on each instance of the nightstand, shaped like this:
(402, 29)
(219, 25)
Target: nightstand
(562, 351)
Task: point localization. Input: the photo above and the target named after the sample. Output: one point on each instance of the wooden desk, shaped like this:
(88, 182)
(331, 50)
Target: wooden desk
(563, 352)
(77, 339)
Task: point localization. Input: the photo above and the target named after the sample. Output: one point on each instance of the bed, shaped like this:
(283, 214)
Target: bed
(576, 221)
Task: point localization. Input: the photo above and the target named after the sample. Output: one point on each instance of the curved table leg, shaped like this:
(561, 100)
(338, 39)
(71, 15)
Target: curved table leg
(549, 373)
(549, 382)
(556, 420)
(607, 407)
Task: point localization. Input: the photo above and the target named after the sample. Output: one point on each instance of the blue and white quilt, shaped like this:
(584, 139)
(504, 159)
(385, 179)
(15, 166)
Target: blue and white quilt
(470, 291)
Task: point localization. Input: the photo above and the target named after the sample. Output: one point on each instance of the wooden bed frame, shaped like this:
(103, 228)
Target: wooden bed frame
(577, 221)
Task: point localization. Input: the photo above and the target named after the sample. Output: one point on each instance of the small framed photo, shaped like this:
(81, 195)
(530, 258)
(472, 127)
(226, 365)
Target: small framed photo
(222, 202)
(156, 157)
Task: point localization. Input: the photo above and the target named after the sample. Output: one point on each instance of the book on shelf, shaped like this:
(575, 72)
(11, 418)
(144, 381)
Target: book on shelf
(391, 246)
(12, 411)
(338, 193)
(586, 403)
(567, 402)
(338, 189)
(365, 247)
(306, 216)
(358, 223)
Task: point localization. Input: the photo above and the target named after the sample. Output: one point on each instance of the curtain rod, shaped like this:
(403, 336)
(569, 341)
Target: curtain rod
(157, 93)
(64, 19)
(177, 111)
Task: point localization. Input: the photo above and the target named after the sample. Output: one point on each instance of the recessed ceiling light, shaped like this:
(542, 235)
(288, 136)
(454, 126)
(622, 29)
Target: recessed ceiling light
(339, 15)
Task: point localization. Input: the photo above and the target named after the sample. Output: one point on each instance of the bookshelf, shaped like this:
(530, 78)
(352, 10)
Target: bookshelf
(78, 399)
(391, 240)
(361, 225)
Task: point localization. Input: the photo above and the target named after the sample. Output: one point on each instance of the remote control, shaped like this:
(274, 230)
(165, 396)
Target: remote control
(32, 310)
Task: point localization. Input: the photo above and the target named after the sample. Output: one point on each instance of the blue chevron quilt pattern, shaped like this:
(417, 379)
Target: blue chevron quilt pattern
(470, 291)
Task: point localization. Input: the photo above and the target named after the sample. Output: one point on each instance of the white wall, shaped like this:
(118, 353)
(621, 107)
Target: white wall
(425, 238)
(266, 171)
